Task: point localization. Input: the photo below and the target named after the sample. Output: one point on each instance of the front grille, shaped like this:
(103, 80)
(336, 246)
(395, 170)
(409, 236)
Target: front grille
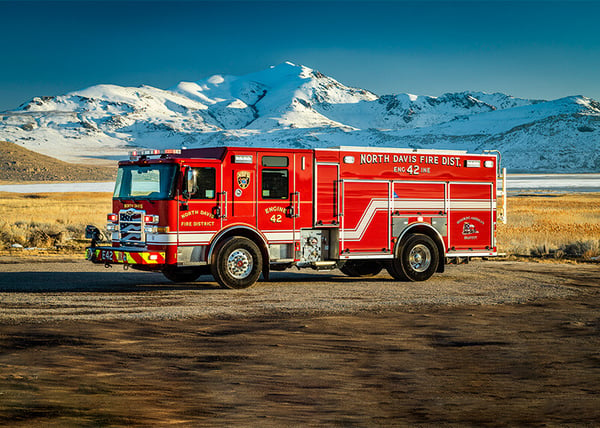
(131, 227)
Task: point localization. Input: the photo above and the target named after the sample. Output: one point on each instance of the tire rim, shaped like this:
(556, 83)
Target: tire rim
(419, 258)
(239, 263)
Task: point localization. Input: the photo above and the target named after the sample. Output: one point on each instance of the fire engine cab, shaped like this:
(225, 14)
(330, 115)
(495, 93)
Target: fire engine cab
(239, 212)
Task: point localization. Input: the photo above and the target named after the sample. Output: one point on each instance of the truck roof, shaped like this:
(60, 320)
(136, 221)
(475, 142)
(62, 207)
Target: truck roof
(390, 150)
(218, 153)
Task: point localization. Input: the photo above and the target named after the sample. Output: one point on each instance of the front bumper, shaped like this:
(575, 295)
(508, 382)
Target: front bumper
(115, 255)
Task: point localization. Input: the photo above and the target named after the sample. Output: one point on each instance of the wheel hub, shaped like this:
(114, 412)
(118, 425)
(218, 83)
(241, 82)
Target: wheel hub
(419, 258)
(240, 263)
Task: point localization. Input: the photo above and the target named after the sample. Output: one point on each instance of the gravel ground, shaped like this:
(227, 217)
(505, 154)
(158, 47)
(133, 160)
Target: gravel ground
(81, 291)
(492, 343)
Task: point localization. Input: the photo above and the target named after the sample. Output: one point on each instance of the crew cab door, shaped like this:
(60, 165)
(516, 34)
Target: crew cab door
(239, 193)
(201, 210)
(277, 205)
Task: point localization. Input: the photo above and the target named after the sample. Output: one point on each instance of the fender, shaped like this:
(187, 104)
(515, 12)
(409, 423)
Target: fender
(426, 229)
(233, 228)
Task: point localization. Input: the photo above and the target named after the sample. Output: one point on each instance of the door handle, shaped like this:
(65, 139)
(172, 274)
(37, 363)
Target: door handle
(295, 207)
(221, 208)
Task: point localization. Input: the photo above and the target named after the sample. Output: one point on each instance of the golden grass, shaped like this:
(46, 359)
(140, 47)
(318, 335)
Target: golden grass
(552, 225)
(50, 219)
(60, 208)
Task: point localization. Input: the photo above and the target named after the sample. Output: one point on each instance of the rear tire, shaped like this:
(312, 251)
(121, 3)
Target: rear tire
(417, 259)
(237, 263)
(184, 274)
(361, 269)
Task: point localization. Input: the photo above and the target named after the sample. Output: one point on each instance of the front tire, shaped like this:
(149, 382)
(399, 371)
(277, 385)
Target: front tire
(237, 263)
(417, 259)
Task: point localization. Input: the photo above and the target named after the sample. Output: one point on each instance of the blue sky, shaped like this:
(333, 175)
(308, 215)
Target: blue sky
(534, 49)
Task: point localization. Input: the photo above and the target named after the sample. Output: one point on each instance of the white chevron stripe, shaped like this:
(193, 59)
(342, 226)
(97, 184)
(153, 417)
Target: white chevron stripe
(365, 220)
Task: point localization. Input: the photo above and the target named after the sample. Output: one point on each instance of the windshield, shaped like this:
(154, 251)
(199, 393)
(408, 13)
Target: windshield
(146, 182)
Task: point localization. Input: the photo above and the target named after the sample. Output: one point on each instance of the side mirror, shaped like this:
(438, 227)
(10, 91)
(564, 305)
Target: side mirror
(190, 184)
(93, 233)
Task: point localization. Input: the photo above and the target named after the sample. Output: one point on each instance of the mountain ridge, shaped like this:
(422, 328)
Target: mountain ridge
(292, 105)
(20, 164)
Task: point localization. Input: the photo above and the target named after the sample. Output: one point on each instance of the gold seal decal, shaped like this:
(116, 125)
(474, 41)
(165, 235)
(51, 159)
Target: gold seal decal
(243, 179)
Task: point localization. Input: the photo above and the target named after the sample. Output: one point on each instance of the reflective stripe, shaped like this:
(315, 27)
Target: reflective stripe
(129, 257)
(280, 236)
(419, 204)
(438, 204)
(195, 237)
(472, 204)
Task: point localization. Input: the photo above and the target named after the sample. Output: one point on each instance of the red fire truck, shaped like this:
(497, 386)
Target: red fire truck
(239, 212)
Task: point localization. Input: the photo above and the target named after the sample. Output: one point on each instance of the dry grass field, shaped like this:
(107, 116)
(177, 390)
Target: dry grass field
(556, 226)
(50, 220)
(552, 225)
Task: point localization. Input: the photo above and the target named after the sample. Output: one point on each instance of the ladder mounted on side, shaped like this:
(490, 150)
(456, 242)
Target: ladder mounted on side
(501, 175)
(502, 193)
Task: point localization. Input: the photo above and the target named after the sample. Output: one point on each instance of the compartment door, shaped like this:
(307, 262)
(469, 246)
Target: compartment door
(471, 217)
(327, 196)
(366, 217)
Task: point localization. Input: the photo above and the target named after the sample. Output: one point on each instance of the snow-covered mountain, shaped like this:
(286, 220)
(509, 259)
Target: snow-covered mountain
(294, 106)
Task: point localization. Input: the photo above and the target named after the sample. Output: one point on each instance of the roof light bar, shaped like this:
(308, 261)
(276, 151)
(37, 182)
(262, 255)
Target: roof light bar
(136, 154)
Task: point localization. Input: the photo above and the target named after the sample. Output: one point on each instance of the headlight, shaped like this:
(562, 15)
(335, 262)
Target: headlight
(150, 219)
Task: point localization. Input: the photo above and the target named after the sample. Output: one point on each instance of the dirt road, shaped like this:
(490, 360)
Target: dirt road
(489, 343)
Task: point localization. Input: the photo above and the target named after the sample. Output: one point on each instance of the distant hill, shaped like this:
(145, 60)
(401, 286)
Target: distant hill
(294, 106)
(20, 164)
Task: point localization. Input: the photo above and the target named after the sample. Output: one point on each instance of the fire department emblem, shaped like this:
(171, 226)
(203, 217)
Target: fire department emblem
(469, 229)
(243, 179)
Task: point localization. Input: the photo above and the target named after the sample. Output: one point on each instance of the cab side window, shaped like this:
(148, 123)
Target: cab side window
(206, 179)
(275, 177)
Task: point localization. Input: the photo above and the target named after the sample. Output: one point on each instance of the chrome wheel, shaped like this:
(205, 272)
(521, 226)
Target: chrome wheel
(240, 263)
(419, 258)
(237, 262)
